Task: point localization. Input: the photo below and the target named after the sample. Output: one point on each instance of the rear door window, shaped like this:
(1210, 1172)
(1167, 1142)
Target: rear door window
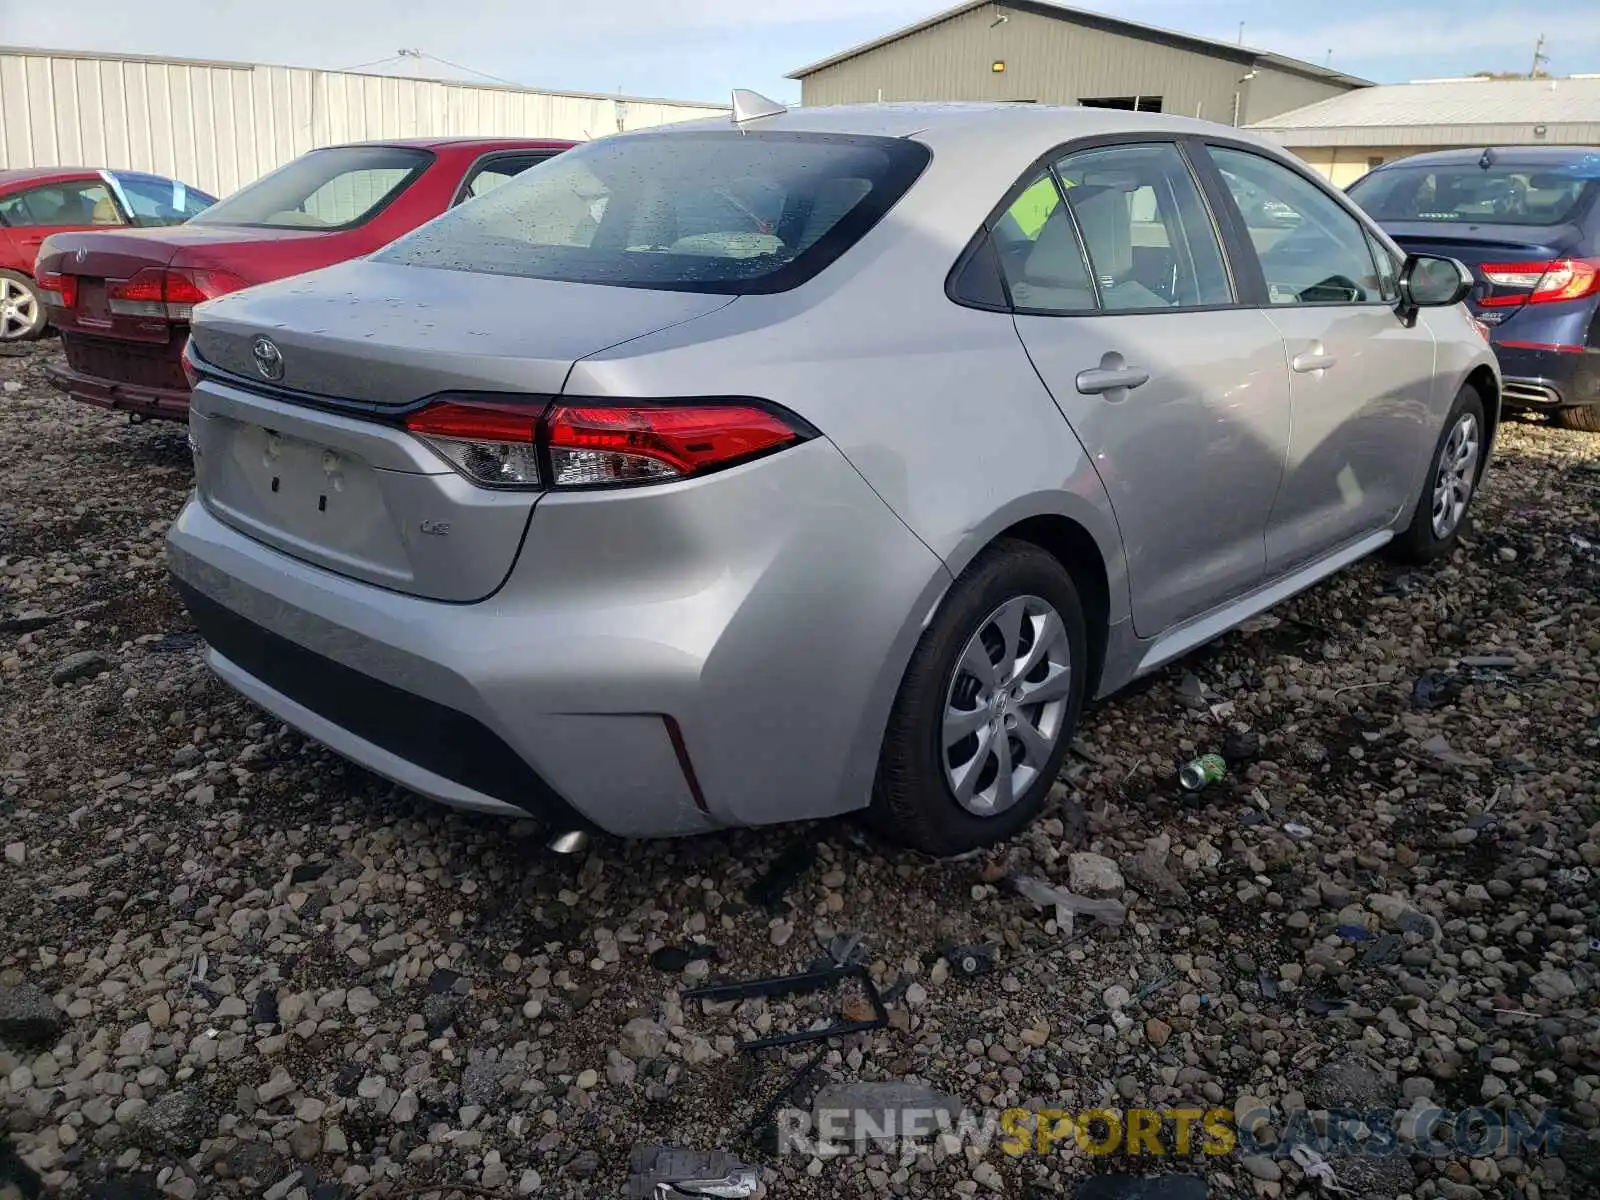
(79, 202)
(1039, 253)
(1492, 195)
(1150, 238)
(338, 188)
(716, 211)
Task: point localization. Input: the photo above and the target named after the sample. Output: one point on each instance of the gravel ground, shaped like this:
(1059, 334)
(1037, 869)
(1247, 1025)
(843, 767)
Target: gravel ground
(233, 965)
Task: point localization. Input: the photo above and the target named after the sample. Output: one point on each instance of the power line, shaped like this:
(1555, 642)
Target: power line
(473, 71)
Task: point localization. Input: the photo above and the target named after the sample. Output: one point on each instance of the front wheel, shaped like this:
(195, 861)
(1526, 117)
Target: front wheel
(1452, 483)
(22, 317)
(987, 708)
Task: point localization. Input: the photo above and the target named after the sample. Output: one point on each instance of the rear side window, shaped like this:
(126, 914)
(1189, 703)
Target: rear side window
(1494, 195)
(1039, 253)
(326, 189)
(714, 211)
(497, 171)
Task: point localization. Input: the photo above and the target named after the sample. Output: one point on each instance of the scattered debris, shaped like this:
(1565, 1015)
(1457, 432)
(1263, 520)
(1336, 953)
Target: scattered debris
(1492, 662)
(1241, 745)
(1202, 772)
(864, 1110)
(1093, 875)
(1439, 748)
(1353, 933)
(673, 959)
(85, 664)
(27, 622)
(843, 949)
(769, 889)
(1067, 905)
(1435, 690)
(667, 1172)
(761, 1132)
(1297, 831)
(970, 961)
(1316, 1167)
(804, 983)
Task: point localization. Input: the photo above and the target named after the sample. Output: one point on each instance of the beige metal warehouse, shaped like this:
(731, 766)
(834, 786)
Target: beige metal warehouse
(1031, 51)
(219, 125)
(1347, 136)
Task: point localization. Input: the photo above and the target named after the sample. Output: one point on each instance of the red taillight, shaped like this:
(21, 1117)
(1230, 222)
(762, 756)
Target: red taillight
(491, 442)
(499, 443)
(58, 291)
(1542, 282)
(604, 444)
(191, 371)
(168, 293)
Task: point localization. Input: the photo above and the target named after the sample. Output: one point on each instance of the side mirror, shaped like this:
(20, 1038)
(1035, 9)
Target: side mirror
(1432, 281)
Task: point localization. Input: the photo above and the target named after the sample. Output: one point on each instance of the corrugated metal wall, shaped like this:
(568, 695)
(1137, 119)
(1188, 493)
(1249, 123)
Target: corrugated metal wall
(1048, 60)
(1273, 91)
(220, 125)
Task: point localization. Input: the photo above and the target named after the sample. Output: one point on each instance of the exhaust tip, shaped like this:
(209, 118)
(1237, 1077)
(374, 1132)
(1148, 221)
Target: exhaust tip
(574, 841)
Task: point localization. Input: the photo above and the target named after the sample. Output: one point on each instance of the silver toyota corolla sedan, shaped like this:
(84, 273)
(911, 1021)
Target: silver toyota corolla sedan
(798, 463)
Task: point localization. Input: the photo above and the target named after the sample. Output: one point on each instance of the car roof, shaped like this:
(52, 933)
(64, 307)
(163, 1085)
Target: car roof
(1505, 155)
(33, 176)
(1005, 126)
(466, 143)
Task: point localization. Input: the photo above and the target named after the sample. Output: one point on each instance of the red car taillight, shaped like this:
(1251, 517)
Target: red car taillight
(1542, 282)
(527, 444)
(492, 442)
(57, 291)
(168, 293)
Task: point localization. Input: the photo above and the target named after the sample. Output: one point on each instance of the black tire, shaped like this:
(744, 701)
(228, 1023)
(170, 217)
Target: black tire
(1586, 418)
(31, 329)
(913, 802)
(1419, 543)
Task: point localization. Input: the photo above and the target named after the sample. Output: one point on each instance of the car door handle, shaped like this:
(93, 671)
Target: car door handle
(1315, 359)
(1106, 380)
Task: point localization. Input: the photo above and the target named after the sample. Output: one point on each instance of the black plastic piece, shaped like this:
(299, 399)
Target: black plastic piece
(434, 737)
(803, 984)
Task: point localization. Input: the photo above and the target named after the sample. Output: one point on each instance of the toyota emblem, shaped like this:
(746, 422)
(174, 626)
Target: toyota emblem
(269, 359)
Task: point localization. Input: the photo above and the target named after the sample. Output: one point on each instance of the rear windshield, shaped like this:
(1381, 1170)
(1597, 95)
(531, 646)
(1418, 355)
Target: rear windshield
(326, 189)
(1497, 195)
(709, 211)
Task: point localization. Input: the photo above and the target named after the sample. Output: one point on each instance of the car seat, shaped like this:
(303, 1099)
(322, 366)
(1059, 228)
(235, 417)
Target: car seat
(1107, 226)
(105, 212)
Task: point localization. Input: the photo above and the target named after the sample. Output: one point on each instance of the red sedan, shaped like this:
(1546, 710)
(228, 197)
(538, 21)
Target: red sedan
(37, 202)
(122, 300)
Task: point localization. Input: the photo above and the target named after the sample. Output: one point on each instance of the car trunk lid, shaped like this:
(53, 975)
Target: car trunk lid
(1481, 246)
(316, 462)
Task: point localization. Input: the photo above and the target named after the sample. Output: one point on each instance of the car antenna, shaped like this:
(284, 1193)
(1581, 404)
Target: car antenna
(1487, 160)
(751, 106)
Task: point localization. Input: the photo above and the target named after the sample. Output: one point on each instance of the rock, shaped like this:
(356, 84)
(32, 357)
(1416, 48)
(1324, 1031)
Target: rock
(483, 1083)
(1116, 997)
(136, 1041)
(305, 1142)
(495, 1174)
(334, 1142)
(29, 1017)
(360, 1001)
(16, 853)
(588, 1079)
(1093, 875)
(85, 664)
(1554, 985)
(530, 1183)
(405, 1108)
(642, 1039)
(310, 1110)
(174, 1124)
(279, 1085)
(1261, 1167)
(1156, 1032)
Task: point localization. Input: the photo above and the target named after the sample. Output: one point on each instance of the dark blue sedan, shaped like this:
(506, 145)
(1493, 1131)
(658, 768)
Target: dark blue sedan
(1527, 221)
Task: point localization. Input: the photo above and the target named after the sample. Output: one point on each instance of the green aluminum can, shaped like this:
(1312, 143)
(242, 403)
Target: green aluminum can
(1202, 772)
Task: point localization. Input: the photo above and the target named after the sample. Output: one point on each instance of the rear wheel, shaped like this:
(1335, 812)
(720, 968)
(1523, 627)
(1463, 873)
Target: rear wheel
(1586, 418)
(21, 312)
(1448, 491)
(987, 708)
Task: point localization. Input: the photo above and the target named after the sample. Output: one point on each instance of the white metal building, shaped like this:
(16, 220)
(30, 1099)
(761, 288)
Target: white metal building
(219, 125)
(1345, 136)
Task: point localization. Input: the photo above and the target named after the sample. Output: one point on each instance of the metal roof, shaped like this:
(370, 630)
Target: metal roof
(1244, 54)
(1447, 112)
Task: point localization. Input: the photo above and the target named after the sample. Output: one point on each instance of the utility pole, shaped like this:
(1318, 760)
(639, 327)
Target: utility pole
(1241, 33)
(1539, 58)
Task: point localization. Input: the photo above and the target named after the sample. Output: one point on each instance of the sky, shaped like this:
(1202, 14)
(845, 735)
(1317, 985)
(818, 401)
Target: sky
(700, 49)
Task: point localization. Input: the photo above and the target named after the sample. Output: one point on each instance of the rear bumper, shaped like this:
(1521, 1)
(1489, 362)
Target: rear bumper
(163, 403)
(720, 652)
(1549, 378)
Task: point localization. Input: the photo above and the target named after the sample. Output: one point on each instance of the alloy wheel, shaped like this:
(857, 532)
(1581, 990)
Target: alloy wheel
(1005, 705)
(19, 310)
(1456, 476)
